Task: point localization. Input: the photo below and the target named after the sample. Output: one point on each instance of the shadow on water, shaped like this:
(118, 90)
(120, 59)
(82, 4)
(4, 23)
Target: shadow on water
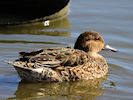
(55, 28)
(82, 90)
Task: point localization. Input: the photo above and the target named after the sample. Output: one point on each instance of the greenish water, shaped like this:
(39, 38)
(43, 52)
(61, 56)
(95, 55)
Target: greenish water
(113, 18)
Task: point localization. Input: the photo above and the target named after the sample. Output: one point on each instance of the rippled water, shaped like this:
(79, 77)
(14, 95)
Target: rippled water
(113, 18)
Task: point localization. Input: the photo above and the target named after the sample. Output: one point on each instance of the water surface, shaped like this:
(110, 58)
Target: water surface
(113, 18)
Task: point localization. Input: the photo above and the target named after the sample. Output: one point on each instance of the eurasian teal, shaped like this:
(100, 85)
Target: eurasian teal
(65, 64)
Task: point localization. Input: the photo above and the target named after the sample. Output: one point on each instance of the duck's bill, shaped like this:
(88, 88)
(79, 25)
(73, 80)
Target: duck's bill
(107, 47)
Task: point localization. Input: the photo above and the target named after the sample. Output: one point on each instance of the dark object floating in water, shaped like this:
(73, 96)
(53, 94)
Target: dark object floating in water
(24, 11)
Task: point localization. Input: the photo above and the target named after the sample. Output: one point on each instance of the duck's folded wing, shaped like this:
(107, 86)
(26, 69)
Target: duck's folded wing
(57, 57)
(74, 58)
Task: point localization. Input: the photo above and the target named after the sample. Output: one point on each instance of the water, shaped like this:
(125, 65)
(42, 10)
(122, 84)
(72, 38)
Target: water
(113, 18)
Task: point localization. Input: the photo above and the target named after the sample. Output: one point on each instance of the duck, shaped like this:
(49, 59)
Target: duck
(59, 64)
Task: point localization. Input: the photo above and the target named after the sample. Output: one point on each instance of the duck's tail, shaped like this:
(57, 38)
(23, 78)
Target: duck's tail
(21, 64)
(22, 69)
(29, 73)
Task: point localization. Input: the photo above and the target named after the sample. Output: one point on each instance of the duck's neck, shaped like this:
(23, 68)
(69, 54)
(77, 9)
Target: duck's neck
(95, 55)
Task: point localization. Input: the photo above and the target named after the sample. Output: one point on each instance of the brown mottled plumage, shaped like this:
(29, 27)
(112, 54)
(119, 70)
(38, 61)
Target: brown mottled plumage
(65, 64)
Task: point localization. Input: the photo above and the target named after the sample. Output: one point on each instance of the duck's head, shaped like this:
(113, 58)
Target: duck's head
(91, 42)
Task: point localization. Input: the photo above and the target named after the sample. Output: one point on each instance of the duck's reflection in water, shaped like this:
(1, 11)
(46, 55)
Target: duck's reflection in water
(79, 90)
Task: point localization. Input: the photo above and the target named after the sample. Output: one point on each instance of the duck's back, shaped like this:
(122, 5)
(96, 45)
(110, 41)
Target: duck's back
(53, 57)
